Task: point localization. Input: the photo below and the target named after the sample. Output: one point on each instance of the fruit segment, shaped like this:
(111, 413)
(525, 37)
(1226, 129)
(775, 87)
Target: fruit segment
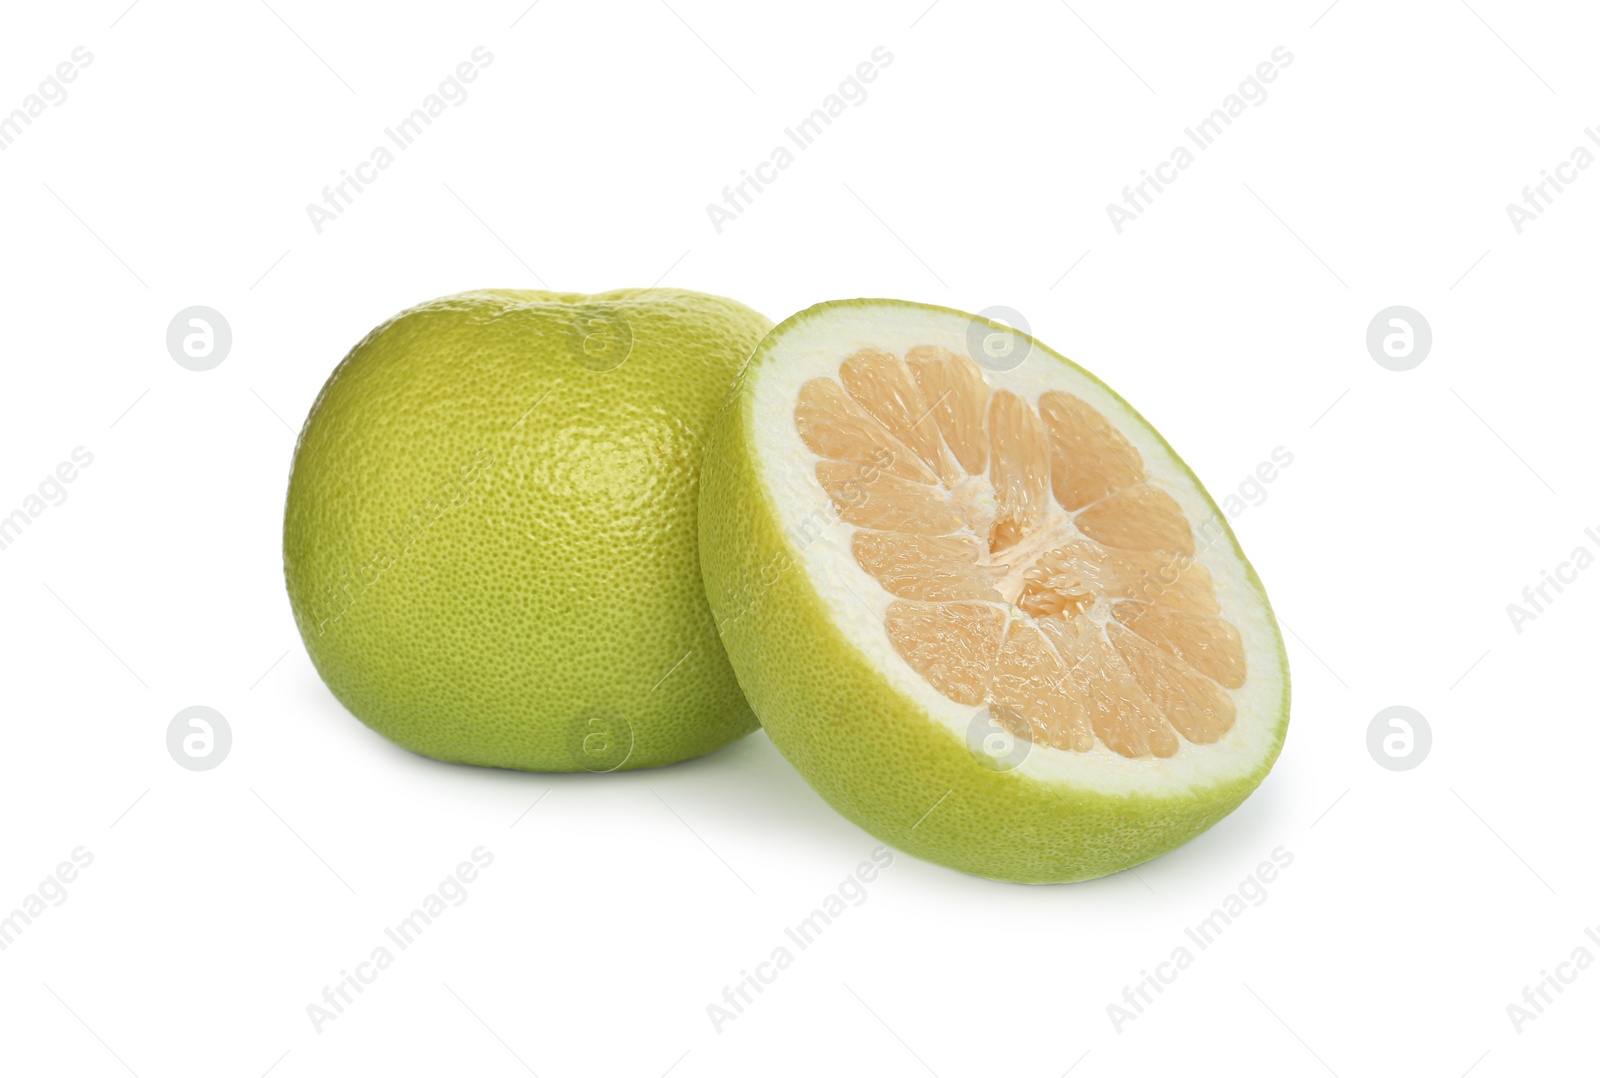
(1089, 458)
(913, 566)
(1034, 567)
(953, 645)
(1019, 470)
(883, 386)
(958, 397)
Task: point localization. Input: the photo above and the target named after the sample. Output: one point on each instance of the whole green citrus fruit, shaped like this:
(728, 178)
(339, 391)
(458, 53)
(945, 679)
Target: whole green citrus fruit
(490, 537)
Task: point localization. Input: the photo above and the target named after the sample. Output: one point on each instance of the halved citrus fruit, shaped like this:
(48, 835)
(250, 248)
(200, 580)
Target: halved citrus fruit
(978, 602)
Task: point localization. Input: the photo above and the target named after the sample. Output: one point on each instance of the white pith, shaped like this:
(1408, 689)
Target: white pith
(814, 345)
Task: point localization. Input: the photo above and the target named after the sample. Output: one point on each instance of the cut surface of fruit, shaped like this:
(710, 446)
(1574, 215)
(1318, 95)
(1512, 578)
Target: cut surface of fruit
(1024, 587)
(1012, 558)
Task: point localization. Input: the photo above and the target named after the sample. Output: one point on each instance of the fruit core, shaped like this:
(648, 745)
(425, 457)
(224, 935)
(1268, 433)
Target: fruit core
(1034, 569)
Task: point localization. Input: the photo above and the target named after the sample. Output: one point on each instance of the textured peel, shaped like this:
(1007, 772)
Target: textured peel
(489, 539)
(1128, 750)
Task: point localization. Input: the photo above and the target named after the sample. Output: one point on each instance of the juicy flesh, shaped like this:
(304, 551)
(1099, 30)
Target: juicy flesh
(1035, 571)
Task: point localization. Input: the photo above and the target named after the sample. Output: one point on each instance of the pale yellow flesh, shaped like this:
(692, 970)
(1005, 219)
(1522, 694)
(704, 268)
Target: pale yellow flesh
(1035, 570)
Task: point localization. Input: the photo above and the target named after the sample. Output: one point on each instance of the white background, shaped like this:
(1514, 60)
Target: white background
(1233, 313)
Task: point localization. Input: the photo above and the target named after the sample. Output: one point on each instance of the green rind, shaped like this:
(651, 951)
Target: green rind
(498, 567)
(873, 753)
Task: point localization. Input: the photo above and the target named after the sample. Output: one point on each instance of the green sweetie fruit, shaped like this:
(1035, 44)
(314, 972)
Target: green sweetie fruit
(978, 602)
(489, 540)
